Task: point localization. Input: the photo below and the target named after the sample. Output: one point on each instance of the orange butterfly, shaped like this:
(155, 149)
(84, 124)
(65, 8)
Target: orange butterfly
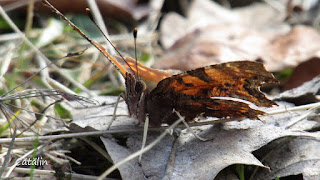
(195, 93)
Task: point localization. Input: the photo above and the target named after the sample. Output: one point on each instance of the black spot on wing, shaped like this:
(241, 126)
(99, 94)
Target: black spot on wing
(206, 92)
(188, 84)
(201, 74)
(180, 80)
(222, 88)
(227, 84)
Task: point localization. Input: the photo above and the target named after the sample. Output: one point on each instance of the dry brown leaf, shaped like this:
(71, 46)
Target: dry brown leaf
(230, 42)
(212, 34)
(303, 72)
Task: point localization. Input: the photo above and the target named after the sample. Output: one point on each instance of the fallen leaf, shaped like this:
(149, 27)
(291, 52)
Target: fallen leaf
(303, 72)
(188, 157)
(304, 94)
(99, 117)
(292, 157)
(129, 170)
(211, 34)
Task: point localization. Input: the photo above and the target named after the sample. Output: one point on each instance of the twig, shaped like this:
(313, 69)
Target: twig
(296, 108)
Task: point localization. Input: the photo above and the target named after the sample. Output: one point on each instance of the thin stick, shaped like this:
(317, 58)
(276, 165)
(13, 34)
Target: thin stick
(114, 116)
(145, 134)
(71, 135)
(302, 117)
(296, 108)
(193, 133)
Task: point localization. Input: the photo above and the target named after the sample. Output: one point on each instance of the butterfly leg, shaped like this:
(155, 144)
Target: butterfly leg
(114, 116)
(193, 133)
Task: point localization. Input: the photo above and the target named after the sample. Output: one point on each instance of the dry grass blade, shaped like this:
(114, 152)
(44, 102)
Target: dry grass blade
(7, 157)
(56, 95)
(53, 93)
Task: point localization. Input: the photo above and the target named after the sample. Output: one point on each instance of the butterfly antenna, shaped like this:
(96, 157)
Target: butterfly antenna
(96, 45)
(88, 11)
(135, 34)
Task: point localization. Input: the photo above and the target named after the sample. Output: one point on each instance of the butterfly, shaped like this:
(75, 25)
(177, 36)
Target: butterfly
(220, 90)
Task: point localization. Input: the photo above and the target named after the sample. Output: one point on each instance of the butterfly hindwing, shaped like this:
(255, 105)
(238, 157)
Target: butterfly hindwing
(160, 108)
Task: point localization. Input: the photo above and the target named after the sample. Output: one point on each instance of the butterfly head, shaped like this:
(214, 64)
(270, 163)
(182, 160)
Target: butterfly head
(135, 96)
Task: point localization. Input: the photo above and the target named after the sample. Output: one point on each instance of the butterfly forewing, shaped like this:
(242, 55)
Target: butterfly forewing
(231, 79)
(192, 93)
